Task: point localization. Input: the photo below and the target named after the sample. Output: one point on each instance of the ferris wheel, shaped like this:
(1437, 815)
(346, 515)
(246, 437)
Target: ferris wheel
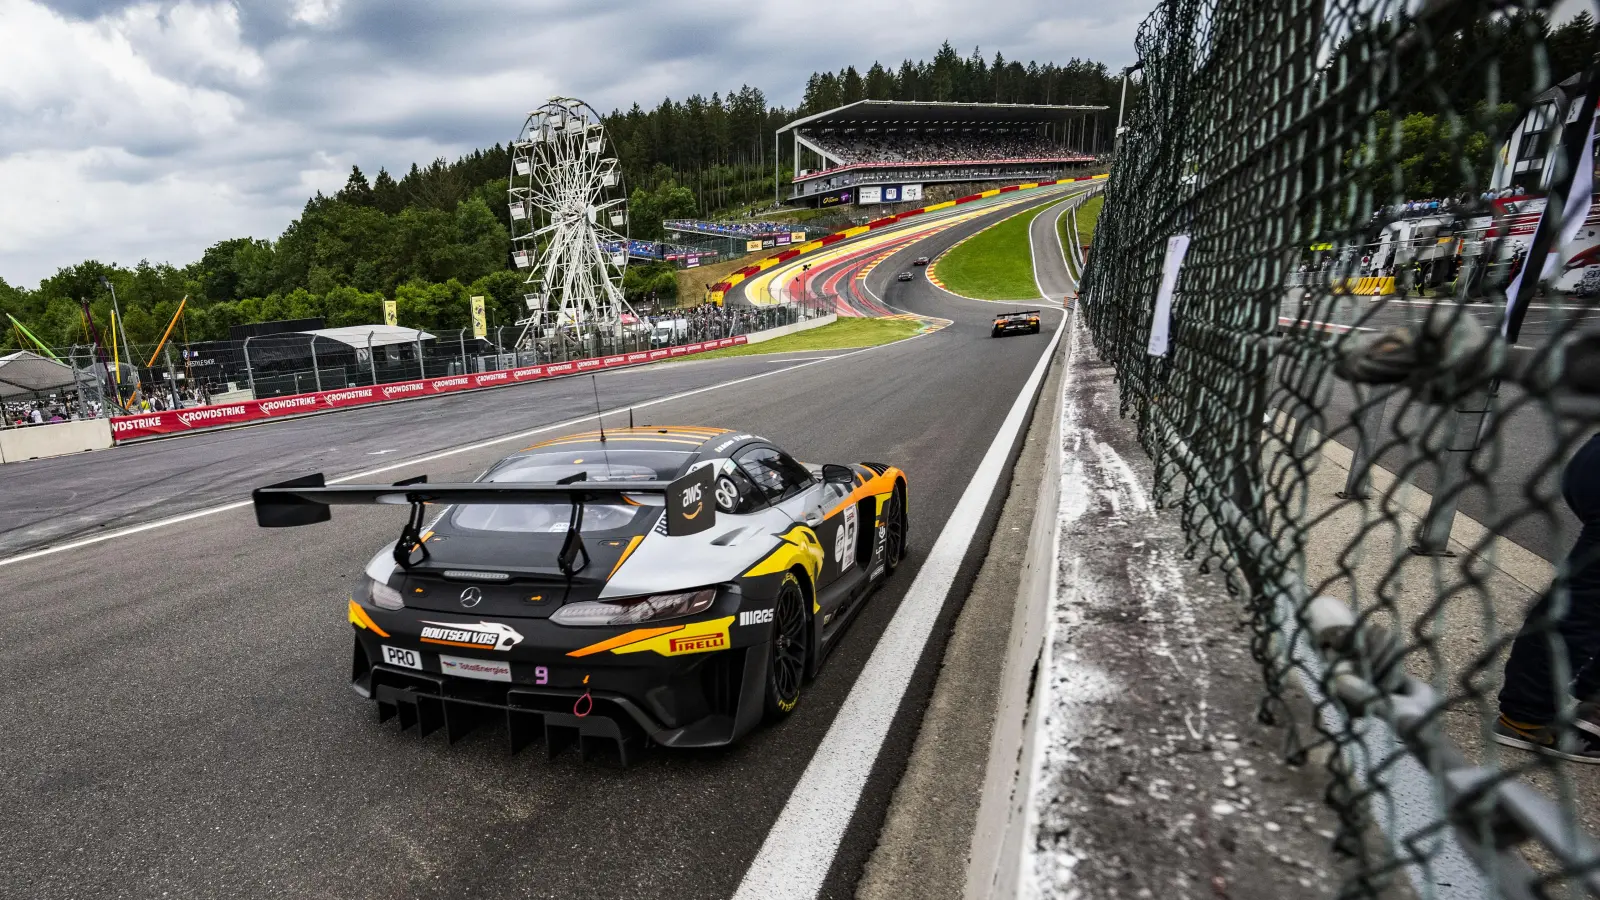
(569, 222)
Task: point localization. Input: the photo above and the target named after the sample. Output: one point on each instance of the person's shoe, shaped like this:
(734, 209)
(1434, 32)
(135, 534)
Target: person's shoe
(1587, 717)
(1580, 744)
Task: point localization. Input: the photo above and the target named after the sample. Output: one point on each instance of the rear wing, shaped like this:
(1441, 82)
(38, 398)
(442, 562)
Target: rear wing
(690, 508)
(1018, 315)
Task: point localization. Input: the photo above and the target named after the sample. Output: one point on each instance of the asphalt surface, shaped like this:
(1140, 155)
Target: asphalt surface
(1049, 260)
(178, 721)
(51, 501)
(859, 275)
(1517, 491)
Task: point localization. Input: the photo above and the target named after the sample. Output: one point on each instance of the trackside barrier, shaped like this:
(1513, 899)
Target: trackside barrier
(59, 439)
(999, 836)
(179, 421)
(1369, 286)
(802, 325)
(720, 289)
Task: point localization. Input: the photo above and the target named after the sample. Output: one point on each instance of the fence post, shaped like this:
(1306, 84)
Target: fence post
(1461, 438)
(422, 369)
(372, 361)
(1358, 483)
(316, 372)
(172, 378)
(461, 336)
(249, 373)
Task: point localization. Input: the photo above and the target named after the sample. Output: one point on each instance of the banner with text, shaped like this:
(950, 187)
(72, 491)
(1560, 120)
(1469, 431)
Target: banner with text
(177, 421)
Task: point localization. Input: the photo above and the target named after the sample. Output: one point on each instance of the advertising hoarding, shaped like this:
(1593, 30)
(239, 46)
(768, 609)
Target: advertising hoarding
(869, 194)
(911, 192)
(837, 198)
(752, 246)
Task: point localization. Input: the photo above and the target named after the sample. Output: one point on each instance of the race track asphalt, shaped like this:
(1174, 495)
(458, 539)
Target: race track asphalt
(178, 723)
(1518, 494)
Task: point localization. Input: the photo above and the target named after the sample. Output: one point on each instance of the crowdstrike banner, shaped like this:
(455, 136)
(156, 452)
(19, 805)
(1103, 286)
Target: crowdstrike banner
(199, 418)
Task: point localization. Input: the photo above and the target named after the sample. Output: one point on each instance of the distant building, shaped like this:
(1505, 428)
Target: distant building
(883, 151)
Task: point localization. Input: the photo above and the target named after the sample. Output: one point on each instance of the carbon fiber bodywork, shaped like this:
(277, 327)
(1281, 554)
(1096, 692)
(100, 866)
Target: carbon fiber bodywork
(473, 630)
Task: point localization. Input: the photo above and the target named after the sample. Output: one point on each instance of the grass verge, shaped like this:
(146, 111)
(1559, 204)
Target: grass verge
(1088, 215)
(844, 334)
(996, 263)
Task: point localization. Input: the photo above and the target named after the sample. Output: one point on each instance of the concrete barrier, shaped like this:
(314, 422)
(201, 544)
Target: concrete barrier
(60, 439)
(796, 328)
(999, 837)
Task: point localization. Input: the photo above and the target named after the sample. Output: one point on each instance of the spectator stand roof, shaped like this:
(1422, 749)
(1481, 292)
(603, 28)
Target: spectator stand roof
(24, 373)
(867, 113)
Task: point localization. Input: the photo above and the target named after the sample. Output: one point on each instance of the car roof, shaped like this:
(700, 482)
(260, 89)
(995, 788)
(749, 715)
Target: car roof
(689, 439)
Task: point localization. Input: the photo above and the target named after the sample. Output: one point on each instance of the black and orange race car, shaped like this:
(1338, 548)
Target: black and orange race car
(666, 585)
(1025, 322)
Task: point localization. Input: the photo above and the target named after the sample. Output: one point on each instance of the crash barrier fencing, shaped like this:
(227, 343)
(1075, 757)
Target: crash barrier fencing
(293, 364)
(177, 421)
(720, 289)
(1381, 621)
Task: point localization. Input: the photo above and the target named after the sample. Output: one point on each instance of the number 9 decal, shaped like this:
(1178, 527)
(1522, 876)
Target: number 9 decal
(844, 540)
(541, 675)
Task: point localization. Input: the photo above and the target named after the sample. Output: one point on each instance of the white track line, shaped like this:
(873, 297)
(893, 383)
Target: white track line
(521, 435)
(795, 858)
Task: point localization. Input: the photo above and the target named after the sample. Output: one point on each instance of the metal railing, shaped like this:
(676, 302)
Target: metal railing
(1384, 481)
(280, 365)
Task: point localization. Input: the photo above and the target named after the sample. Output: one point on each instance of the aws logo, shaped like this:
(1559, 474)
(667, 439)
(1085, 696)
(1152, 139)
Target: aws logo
(692, 500)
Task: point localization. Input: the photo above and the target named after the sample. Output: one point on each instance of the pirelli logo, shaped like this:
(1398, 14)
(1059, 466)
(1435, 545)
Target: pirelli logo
(697, 644)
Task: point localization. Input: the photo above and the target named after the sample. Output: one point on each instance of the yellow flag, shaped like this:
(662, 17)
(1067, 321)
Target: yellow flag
(480, 323)
(391, 315)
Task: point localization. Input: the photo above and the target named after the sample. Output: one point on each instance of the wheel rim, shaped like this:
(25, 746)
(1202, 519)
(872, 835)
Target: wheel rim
(894, 522)
(788, 645)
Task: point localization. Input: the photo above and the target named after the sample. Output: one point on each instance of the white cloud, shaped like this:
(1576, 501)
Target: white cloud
(158, 128)
(315, 12)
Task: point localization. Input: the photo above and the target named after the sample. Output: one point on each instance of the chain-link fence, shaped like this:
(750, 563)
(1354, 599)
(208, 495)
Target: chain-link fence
(1387, 462)
(303, 362)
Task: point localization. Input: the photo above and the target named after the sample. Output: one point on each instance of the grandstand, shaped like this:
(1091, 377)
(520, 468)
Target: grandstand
(882, 151)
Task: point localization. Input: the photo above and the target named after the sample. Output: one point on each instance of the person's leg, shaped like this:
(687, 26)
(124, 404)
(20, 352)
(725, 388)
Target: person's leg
(1529, 695)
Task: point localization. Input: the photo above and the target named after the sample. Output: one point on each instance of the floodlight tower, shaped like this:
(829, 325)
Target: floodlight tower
(569, 221)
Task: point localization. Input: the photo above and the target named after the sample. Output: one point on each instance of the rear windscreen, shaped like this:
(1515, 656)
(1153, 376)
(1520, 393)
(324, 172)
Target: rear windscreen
(556, 464)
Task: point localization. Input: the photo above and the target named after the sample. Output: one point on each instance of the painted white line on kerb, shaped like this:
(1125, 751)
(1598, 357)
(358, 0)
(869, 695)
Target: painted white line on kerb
(798, 851)
(521, 435)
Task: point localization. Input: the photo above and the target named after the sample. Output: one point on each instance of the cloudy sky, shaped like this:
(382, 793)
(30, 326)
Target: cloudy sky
(154, 129)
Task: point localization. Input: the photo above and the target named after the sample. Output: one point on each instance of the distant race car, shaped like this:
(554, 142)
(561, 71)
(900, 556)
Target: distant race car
(1026, 322)
(921, 261)
(668, 585)
(904, 276)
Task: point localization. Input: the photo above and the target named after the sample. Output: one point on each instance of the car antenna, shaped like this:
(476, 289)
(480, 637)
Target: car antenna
(600, 417)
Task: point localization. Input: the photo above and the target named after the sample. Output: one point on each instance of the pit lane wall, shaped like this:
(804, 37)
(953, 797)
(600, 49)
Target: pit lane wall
(59, 439)
(200, 418)
(721, 288)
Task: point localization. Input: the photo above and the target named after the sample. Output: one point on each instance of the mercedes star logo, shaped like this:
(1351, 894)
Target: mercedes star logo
(472, 596)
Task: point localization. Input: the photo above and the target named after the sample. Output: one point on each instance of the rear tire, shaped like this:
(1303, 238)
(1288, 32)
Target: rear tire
(786, 661)
(894, 524)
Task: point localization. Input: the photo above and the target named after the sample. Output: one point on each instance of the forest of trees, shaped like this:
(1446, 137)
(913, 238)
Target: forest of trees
(440, 233)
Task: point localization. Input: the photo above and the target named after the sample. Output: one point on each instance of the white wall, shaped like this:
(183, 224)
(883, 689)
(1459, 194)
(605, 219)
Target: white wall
(40, 441)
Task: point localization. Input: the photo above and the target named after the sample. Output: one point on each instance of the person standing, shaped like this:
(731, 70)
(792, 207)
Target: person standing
(1529, 698)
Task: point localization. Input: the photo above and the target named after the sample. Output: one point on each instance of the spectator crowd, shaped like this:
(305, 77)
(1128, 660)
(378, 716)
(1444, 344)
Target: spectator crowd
(730, 229)
(935, 145)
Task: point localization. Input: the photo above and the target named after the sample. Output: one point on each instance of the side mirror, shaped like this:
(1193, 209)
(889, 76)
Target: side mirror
(832, 474)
